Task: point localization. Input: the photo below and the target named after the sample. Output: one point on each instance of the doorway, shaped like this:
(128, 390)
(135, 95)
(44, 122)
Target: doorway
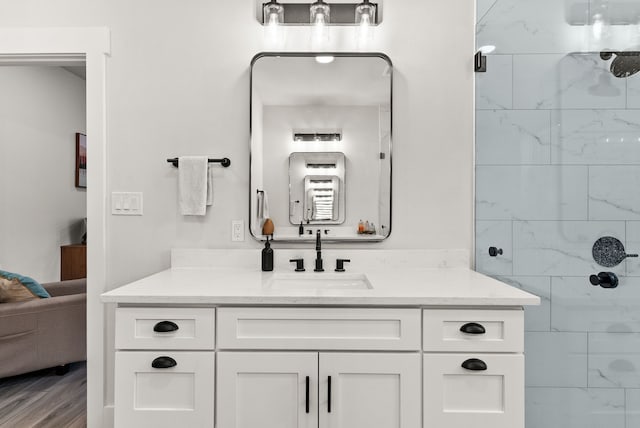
(33, 45)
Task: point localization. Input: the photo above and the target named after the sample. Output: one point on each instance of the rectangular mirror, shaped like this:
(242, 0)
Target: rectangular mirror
(321, 146)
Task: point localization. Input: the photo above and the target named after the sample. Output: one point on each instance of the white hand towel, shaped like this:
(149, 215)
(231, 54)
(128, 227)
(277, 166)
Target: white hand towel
(192, 184)
(263, 207)
(209, 185)
(260, 207)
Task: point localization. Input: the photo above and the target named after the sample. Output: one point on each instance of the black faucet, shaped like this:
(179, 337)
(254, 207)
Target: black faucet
(318, 254)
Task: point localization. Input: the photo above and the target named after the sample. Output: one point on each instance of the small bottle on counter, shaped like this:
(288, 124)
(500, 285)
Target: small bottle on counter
(367, 227)
(267, 257)
(360, 227)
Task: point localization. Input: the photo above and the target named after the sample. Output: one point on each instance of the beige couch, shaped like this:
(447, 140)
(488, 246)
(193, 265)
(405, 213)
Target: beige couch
(42, 333)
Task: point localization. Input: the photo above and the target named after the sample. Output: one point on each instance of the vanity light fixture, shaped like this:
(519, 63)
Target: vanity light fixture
(317, 136)
(321, 165)
(341, 12)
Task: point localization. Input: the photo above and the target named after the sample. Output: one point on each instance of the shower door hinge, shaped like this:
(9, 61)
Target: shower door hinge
(480, 63)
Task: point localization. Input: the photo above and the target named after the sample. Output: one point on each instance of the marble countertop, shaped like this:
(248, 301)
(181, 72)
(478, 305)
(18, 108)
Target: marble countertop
(400, 282)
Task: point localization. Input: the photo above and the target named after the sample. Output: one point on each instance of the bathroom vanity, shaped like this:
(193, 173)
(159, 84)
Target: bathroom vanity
(401, 339)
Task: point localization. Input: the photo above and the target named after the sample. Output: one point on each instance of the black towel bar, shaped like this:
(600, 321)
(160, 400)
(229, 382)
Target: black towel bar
(225, 162)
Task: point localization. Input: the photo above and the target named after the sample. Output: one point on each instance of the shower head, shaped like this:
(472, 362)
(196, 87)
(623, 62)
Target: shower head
(626, 63)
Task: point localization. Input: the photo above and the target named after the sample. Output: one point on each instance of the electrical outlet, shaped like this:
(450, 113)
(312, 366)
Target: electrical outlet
(237, 230)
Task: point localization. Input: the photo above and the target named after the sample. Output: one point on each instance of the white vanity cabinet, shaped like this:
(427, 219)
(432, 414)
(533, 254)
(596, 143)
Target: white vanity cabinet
(319, 367)
(318, 383)
(473, 368)
(164, 367)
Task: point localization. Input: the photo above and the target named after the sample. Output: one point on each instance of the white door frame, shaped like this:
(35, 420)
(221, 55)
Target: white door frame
(38, 45)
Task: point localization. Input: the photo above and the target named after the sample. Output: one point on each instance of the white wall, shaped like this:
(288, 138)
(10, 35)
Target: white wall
(41, 109)
(178, 84)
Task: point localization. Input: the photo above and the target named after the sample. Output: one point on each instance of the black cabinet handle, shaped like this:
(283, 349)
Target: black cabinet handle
(474, 364)
(165, 327)
(306, 388)
(163, 363)
(473, 328)
(329, 394)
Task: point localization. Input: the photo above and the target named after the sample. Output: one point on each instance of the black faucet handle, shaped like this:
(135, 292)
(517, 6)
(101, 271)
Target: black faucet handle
(604, 280)
(340, 264)
(299, 264)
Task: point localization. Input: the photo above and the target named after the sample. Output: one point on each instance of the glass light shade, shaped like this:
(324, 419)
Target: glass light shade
(319, 13)
(365, 18)
(365, 13)
(319, 16)
(273, 13)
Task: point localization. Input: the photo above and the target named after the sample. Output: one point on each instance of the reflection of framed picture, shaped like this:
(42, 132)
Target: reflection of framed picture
(81, 160)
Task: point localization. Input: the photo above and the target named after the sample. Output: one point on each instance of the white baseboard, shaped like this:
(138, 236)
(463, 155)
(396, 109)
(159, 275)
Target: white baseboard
(107, 421)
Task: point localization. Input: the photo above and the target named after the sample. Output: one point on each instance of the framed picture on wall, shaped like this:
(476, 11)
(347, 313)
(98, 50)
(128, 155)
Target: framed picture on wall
(81, 160)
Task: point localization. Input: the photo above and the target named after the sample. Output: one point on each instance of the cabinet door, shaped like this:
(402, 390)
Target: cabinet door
(180, 395)
(367, 390)
(267, 390)
(488, 393)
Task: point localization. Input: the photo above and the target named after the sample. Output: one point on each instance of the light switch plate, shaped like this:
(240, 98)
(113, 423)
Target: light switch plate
(126, 203)
(237, 230)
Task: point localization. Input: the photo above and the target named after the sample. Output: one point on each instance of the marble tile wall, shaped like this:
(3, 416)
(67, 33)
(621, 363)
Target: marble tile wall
(557, 167)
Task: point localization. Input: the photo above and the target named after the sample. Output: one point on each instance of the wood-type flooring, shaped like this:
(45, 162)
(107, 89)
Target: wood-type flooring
(44, 400)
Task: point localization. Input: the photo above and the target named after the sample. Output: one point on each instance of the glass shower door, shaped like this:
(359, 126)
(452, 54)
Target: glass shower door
(557, 169)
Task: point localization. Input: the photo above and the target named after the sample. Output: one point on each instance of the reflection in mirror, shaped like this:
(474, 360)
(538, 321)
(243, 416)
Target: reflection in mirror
(316, 188)
(321, 145)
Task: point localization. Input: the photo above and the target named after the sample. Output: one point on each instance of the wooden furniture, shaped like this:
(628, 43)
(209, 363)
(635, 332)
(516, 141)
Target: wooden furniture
(73, 261)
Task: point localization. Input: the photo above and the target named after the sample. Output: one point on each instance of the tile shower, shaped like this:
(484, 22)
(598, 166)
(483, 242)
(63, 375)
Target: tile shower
(557, 167)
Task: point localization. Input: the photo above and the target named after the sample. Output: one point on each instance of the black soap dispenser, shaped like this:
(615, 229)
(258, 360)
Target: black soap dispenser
(267, 257)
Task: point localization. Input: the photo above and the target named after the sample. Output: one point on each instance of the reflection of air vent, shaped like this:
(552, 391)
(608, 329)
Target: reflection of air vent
(321, 165)
(321, 181)
(317, 136)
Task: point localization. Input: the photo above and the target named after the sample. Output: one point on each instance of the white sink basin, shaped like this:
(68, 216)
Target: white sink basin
(319, 281)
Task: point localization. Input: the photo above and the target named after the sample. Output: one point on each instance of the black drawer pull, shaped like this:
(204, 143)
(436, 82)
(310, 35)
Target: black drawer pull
(165, 327)
(329, 394)
(306, 402)
(473, 328)
(163, 363)
(474, 364)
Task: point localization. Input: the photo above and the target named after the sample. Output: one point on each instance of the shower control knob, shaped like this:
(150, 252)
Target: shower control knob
(604, 280)
(493, 251)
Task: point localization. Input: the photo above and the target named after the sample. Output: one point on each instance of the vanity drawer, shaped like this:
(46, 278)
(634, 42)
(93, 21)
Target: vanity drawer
(165, 328)
(486, 330)
(319, 328)
(473, 390)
